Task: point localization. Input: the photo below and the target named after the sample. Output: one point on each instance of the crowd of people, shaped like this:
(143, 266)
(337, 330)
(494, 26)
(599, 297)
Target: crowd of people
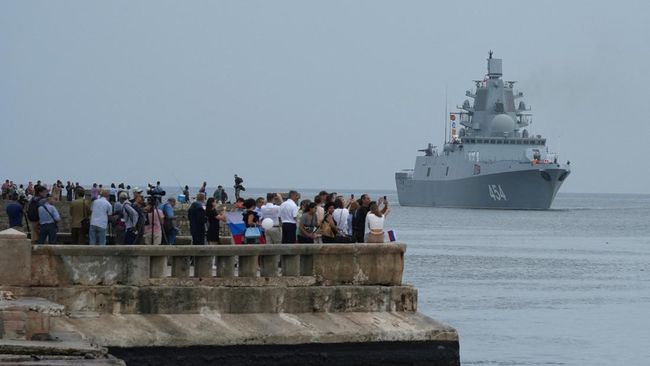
(131, 217)
(328, 218)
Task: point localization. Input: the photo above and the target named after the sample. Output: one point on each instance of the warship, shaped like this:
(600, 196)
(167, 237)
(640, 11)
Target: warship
(489, 158)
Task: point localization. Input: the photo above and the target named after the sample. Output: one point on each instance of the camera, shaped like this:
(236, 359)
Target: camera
(155, 192)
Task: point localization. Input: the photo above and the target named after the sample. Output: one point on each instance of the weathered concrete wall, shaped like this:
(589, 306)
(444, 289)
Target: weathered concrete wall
(324, 300)
(226, 300)
(210, 328)
(15, 260)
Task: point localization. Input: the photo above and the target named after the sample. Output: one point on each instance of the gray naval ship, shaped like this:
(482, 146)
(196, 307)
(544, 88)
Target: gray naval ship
(490, 160)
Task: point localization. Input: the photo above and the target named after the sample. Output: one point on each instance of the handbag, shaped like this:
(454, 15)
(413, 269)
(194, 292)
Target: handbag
(85, 222)
(326, 229)
(252, 233)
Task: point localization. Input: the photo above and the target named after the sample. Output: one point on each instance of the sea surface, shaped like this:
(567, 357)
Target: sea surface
(566, 286)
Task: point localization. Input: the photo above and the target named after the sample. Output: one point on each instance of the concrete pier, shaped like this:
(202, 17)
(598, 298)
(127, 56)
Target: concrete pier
(232, 304)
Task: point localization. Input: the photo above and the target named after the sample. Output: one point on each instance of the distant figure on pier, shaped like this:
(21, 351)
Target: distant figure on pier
(69, 191)
(238, 186)
(186, 193)
(5, 189)
(55, 192)
(94, 192)
(203, 186)
(220, 195)
(112, 193)
(29, 191)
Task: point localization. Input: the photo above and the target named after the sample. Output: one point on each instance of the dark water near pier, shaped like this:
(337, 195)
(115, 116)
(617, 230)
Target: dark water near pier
(567, 286)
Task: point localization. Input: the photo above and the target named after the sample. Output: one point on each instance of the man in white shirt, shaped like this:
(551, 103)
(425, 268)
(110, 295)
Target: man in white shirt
(288, 213)
(101, 210)
(272, 211)
(340, 216)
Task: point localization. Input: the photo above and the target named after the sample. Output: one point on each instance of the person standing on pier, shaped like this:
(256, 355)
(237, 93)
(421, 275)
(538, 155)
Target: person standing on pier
(196, 217)
(33, 216)
(288, 213)
(79, 214)
(359, 221)
(186, 193)
(375, 221)
(101, 210)
(15, 212)
(238, 186)
(153, 227)
(271, 210)
(69, 188)
(220, 195)
(170, 221)
(49, 221)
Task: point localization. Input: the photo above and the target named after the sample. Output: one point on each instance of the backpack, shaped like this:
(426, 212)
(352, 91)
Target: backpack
(139, 225)
(32, 210)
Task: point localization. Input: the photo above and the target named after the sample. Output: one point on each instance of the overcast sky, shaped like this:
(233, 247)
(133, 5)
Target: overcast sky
(331, 94)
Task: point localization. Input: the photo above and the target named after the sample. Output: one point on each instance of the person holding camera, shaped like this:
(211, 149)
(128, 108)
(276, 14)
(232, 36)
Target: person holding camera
(375, 220)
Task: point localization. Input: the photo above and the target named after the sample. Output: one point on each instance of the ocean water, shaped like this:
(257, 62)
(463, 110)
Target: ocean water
(566, 286)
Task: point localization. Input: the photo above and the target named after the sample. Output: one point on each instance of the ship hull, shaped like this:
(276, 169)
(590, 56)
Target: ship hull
(524, 189)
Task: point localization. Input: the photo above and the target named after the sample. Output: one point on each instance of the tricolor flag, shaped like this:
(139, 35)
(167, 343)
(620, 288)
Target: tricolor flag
(391, 235)
(235, 220)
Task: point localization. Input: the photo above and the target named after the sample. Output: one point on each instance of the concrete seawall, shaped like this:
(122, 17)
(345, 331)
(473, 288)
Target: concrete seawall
(274, 304)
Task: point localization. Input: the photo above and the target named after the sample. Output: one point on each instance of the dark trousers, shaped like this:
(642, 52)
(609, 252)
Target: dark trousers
(288, 233)
(129, 237)
(48, 231)
(305, 240)
(79, 235)
(358, 235)
(198, 238)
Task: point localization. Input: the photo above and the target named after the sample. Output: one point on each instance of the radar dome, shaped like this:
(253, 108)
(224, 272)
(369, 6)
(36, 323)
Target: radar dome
(502, 123)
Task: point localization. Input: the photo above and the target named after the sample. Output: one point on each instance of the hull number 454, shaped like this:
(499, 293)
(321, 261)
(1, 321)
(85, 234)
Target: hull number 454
(496, 192)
